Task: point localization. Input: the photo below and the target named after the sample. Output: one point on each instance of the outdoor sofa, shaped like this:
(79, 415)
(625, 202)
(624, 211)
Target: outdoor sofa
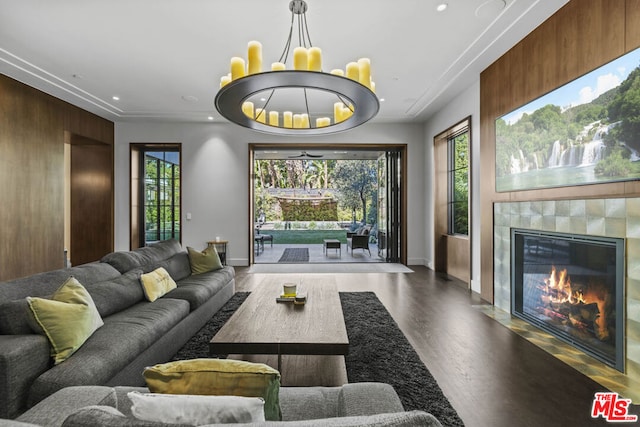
(136, 332)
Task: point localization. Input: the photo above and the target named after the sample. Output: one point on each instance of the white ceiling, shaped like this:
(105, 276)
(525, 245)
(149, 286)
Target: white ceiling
(164, 58)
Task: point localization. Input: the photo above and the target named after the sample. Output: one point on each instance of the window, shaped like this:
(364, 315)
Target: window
(155, 193)
(458, 182)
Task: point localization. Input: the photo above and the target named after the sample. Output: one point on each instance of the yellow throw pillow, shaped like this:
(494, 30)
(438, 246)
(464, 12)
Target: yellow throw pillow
(218, 377)
(67, 319)
(205, 261)
(157, 283)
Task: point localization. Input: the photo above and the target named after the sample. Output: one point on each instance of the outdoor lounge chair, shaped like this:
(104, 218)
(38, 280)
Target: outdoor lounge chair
(359, 240)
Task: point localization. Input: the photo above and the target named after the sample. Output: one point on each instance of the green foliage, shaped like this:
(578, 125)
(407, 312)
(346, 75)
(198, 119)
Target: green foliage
(614, 165)
(308, 209)
(460, 194)
(357, 183)
(626, 108)
(304, 236)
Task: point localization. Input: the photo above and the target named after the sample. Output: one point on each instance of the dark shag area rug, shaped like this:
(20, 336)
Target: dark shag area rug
(378, 351)
(295, 255)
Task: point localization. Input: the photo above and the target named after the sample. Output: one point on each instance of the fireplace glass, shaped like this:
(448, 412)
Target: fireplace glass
(571, 286)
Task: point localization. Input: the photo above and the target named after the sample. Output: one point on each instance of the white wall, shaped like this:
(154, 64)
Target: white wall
(466, 104)
(216, 174)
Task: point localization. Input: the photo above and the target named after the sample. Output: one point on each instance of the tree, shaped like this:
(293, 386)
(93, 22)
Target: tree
(356, 182)
(626, 109)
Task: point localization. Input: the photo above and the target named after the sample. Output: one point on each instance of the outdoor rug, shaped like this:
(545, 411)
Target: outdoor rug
(378, 351)
(295, 255)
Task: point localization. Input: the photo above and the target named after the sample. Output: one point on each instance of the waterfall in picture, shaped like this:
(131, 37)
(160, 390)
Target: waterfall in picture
(556, 154)
(593, 152)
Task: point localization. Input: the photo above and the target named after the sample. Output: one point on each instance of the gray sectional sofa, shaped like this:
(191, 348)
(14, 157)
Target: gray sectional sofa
(359, 404)
(136, 333)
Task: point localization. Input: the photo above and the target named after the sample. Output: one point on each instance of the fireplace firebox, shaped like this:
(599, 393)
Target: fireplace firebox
(571, 286)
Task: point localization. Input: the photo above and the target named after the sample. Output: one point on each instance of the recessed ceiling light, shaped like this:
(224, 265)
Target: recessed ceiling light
(441, 7)
(115, 98)
(210, 117)
(381, 99)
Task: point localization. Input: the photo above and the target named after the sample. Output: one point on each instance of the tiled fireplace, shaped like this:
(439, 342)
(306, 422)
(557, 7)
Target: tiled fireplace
(601, 218)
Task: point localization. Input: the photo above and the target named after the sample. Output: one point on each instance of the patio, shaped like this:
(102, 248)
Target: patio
(271, 255)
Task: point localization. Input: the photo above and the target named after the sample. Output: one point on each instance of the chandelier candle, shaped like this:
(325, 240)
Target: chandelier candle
(314, 58)
(247, 109)
(278, 66)
(254, 54)
(287, 117)
(274, 118)
(364, 72)
(300, 59)
(353, 71)
(237, 68)
(261, 115)
(225, 80)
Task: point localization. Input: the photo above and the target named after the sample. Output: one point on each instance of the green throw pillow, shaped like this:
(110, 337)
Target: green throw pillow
(205, 261)
(157, 283)
(68, 318)
(218, 377)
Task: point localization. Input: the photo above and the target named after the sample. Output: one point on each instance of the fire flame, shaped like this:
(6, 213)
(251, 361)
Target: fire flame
(558, 290)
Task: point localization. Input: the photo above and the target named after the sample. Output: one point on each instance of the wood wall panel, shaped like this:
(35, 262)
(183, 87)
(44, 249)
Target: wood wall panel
(32, 126)
(91, 200)
(580, 37)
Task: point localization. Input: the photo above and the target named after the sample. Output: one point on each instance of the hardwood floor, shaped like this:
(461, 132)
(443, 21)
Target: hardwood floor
(491, 375)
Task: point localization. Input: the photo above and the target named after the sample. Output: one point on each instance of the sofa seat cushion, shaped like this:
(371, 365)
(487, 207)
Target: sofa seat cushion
(114, 295)
(117, 343)
(128, 260)
(198, 289)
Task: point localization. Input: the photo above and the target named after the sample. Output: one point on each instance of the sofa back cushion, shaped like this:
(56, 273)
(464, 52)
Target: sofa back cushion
(114, 295)
(177, 266)
(14, 311)
(144, 258)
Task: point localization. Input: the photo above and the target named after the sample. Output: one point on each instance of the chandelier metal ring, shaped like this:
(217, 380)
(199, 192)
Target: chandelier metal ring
(229, 99)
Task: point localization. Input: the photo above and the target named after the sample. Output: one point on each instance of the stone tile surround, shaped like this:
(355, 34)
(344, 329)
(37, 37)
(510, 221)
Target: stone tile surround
(618, 217)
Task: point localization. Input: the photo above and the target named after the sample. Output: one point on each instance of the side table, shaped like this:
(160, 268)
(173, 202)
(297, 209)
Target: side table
(220, 247)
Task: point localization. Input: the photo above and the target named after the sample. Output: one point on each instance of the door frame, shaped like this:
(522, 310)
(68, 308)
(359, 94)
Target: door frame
(402, 148)
(451, 246)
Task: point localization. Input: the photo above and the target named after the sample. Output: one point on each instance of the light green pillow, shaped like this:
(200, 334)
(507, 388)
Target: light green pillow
(68, 318)
(205, 261)
(218, 377)
(157, 283)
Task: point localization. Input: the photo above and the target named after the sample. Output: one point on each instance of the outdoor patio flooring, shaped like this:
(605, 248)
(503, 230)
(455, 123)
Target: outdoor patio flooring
(271, 255)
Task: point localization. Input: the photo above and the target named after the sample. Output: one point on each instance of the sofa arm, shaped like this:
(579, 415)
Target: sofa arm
(368, 399)
(53, 410)
(22, 359)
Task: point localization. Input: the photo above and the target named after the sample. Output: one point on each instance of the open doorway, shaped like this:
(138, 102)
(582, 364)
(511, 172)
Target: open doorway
(327, 203)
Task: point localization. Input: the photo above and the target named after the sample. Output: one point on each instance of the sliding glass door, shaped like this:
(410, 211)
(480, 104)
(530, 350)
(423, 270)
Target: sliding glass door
(390, 202)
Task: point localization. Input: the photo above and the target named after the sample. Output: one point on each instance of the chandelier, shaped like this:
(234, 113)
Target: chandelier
(298, 100)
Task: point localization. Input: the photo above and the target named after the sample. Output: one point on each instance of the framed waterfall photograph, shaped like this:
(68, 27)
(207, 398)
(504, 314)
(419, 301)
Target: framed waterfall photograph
(584, 132)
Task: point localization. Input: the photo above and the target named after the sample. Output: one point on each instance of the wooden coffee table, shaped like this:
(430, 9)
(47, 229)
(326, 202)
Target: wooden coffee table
(314, 334)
